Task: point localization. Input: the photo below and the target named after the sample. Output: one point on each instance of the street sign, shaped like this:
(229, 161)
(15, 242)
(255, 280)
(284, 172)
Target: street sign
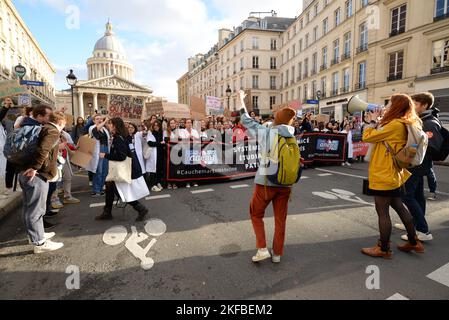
(313, 102)
(32, 83)
(20, 71)
(25, 100)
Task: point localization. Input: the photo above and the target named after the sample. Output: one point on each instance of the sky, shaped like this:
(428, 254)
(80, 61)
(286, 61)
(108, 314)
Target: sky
(158, 36)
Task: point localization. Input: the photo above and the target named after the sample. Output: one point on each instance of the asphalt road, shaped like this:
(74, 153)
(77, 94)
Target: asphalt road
(206, 250)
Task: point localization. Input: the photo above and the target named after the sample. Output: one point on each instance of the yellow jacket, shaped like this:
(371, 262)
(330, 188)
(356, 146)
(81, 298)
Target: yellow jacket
(383, 175)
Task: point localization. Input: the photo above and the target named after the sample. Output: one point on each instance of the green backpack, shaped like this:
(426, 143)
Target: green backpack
(286, 155)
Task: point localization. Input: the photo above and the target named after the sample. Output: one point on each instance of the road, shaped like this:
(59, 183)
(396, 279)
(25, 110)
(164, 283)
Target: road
(206, 250)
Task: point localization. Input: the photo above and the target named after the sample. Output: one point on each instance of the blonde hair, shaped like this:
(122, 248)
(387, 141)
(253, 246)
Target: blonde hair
(57, 117)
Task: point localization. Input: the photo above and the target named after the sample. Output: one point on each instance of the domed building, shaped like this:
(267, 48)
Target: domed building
(110, 88)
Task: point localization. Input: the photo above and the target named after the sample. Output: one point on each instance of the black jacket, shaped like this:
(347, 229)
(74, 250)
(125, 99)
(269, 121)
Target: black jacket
(432, 126)
(3, 113)
(120, 149)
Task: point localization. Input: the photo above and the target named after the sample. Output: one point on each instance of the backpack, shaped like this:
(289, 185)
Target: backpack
(443, 153)
(21, 145)
(414, 152)
(286, 155)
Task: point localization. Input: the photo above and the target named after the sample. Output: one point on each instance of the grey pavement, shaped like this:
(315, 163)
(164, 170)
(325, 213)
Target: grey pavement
(206, 250)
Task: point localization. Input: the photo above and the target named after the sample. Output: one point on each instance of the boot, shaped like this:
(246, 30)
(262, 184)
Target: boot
(408, 247)
(106, 215)
(142, 210)
(377, 252)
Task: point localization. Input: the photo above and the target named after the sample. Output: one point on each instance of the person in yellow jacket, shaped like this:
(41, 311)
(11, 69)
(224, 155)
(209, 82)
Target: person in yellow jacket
(385, 179)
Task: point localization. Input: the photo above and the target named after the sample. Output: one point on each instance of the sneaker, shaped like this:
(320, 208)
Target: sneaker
(95, 195)
(48, 225)
(57, 204)
(275, 258)
(160, 186)
(433, 197)
(343, 164)
(195, 184)
(155, 189)
(262, 254)
(48, 246)
(400, 226)
(71, 200)
(188, 185)
(348, 164)
(421, 236)
(169, 186)
(47, 236)
(51, 214)
(7, 192)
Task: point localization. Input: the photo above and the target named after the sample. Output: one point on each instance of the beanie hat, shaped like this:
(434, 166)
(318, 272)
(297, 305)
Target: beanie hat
(284, 116)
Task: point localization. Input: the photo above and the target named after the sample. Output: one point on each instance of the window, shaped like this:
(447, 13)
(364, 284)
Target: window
(326, 2)
(335, 83)
(347, 52)
(242, 46)
(242, 64)
(235, 50)
(315, 34)
(346, 77)
(255, 82)
(294, 50)
(241, 83)
(325, 26)
(364, 3)
(323, 87)
(314, 89)
(273, 44)
(227, 55)
(255, 43)
(306, 92)
(273, 82)
(337, 17)
(324, 59)
(299, 93)
(273, 63)
(307, 17)
(398, 19)
(300, 45)
(286, 77)
(307, 40)
(294, 30)
(288, 54)
(299, 71)
(314, 63)
(293, 74)
(301, 24)
(336, 51)
(315, 10)
(348, 8)
(441, 9)
(440, 55)
(396, 65)
(272, 101)
(363, 37)
(255, 62)
(227, 71)
(306, 68)
(362, 75)
(256, 102)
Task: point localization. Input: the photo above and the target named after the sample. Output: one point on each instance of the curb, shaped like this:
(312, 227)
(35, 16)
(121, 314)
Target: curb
(10, 206)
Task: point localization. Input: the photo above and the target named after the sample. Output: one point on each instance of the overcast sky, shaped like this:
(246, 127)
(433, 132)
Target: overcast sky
(158, 36)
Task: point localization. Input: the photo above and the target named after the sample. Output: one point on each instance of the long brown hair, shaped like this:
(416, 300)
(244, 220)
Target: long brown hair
(402, 107)
(120, 128)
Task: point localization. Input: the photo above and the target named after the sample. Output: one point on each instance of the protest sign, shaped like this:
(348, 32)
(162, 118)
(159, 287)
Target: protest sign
(126, 107)
(84, 154)
(197, 108)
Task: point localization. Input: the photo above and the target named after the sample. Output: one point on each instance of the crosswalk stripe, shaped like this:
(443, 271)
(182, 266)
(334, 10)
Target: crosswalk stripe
(397, 296)
(305, 177)
(342, 174)
(202, 191)
(96, 205)
(325, 174)
(163, 196)
(240, 186)
(441, 275)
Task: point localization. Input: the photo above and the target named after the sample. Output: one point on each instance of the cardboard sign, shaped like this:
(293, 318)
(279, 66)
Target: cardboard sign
(155, 107)
(11, 88)
(197, 108)
(86, 148)
(322, 118)
(176, 110)
(249, 100)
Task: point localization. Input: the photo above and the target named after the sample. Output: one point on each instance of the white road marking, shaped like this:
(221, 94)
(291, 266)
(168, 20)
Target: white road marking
(240, 186)
(332, 207)
(441, 275)
(342, 174)
(97, 205)
(397, 296)
(163, 196)
(302, 178)
(325, 174)
(202, 191)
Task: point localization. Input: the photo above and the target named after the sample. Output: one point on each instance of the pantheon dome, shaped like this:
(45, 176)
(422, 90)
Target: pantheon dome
(109, 58)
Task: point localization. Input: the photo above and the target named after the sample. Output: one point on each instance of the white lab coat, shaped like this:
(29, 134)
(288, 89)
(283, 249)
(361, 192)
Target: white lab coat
(139, 151)
(132, 192)
(350, 144)
(151, 163)
(93, 165)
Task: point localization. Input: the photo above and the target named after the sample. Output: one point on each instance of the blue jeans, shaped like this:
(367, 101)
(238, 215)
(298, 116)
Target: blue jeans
(414, 199)
(102, 172)
(432, 181)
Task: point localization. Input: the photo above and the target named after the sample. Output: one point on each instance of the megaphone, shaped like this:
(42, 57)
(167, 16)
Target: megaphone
(356, 104)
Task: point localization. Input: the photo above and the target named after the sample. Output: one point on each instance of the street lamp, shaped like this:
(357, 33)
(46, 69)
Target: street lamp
(318, 97)
(71, 80)
(229, 94)
(90, 109)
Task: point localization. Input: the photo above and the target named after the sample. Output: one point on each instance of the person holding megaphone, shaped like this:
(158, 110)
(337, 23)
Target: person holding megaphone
(388, 128)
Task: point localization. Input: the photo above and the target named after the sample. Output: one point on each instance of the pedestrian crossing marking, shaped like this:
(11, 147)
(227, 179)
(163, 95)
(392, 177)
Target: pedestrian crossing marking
(202, 191)
(397, 296)
(97, 205)
(240, 186)
(305, 177)
(163, 196)
(441, 275)
(325, 174)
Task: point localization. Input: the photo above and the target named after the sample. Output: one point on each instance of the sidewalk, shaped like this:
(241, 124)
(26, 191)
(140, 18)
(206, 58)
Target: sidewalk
(8, 203)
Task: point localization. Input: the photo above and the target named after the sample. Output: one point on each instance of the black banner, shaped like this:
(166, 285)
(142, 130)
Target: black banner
(322, 147)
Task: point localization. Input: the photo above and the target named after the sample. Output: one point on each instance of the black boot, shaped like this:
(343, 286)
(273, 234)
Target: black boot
(142, 210)
(106, 215)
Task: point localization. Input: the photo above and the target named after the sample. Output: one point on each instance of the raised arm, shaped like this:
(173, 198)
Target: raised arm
(247, 121)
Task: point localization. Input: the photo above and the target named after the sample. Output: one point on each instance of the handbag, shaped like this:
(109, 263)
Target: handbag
(120, 171)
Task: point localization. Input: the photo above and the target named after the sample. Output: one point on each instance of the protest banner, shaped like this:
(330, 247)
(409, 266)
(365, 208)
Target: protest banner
(83, 155)
(175, 110)
(126, 107)
(214, 106)
(322, 147)
(11, 88)
(360, 149)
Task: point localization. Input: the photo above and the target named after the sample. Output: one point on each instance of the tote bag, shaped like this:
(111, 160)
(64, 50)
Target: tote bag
(120, 171)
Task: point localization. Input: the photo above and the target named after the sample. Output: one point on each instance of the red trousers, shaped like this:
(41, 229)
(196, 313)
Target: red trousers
(261, 199)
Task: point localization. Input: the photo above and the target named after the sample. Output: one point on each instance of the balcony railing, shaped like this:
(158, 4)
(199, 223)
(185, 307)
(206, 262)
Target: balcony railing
(334, 92)
(362, 48)
(323, 67)
(346, 56)
(396, 32)
(360, 86)
(298, 79)
(394, 77)
(441, 17)
(439, 70)
(335, 61)
(273, 87)
(305, 75)
(344, 89)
